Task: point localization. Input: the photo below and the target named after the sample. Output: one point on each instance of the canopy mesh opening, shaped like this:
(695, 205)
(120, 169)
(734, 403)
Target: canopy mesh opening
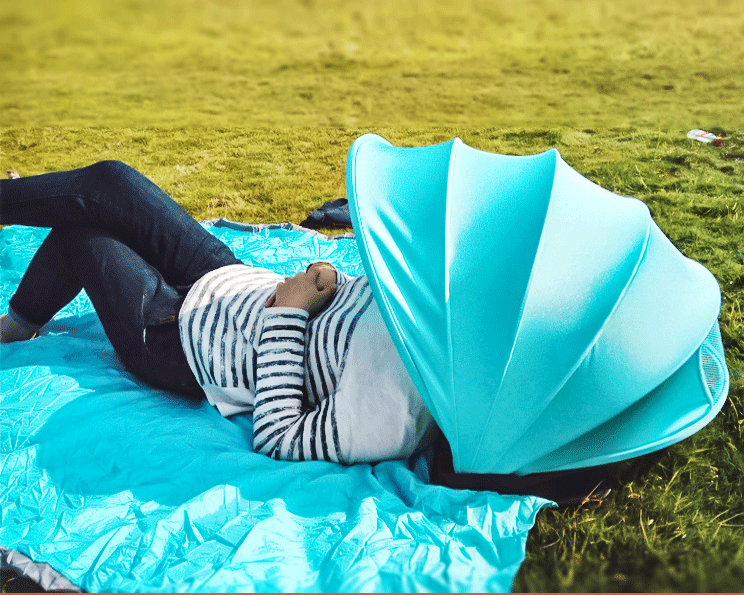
(711, 360)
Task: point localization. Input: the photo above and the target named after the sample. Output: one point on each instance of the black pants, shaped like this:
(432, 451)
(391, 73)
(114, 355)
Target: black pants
(134, 250)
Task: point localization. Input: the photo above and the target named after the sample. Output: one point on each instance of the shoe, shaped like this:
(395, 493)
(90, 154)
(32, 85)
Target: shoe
(10, 331)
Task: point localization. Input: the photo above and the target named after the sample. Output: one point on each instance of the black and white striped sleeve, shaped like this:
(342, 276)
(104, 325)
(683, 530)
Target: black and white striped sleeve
(280, 427)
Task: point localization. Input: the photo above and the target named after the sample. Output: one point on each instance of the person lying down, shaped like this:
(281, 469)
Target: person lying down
(309, 355)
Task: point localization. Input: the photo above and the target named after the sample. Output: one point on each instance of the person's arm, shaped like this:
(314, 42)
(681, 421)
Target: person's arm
(281, 429)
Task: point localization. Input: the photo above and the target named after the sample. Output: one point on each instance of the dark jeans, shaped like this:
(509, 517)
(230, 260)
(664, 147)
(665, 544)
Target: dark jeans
(134, 250)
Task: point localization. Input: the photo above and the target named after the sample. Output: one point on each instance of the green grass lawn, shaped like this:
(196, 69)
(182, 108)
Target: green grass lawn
(246, 110)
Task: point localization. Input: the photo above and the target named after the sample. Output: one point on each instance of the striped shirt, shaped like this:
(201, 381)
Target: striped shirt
(312, 385)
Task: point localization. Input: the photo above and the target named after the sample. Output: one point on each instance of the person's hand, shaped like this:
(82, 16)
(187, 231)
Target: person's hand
(310, 290)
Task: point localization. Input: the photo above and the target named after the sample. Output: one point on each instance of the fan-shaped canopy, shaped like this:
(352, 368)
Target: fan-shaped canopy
(547, 323)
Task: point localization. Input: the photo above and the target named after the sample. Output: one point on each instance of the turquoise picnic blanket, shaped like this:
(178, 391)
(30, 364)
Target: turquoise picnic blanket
(121, 487)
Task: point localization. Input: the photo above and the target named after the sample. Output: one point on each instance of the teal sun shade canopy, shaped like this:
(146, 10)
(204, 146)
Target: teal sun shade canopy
(548, 323)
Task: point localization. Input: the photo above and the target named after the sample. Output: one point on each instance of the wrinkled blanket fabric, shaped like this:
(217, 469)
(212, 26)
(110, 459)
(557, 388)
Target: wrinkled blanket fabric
(120, 487)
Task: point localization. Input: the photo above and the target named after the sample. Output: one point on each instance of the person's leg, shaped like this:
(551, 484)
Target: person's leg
(48, 285)
(121, 287)
(118, 199)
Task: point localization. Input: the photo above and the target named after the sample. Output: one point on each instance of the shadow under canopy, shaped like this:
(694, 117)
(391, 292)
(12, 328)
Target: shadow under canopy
(547, 322)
